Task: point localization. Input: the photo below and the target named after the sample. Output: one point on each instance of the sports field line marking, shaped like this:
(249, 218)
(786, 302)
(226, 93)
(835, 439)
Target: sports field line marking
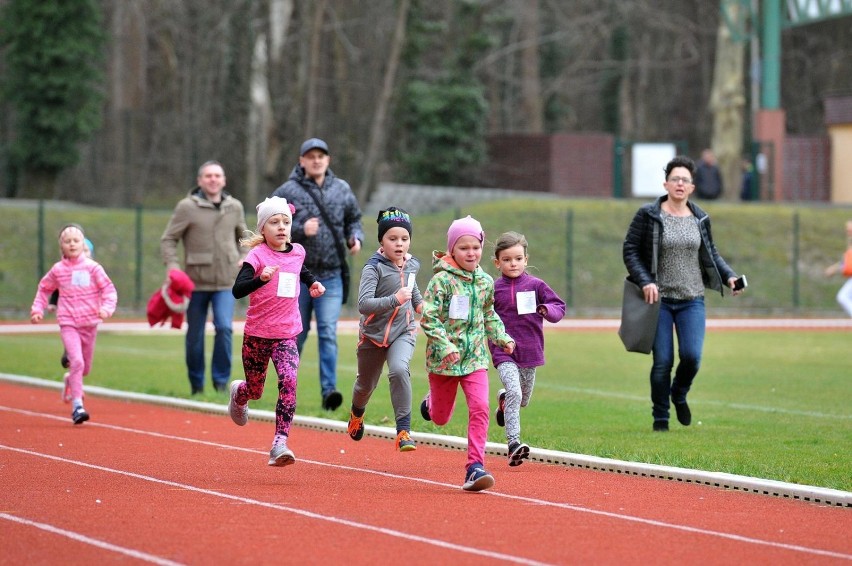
(294, 510)
(739, 406)
(90, 541)
(524, 499)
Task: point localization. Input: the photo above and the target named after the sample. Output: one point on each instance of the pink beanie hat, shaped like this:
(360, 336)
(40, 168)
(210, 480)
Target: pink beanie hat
(466, 226)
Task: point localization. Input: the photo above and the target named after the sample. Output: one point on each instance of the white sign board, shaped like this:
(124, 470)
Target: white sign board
(648, 164)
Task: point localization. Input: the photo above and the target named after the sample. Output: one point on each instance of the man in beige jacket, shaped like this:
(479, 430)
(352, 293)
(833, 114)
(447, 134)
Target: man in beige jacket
(209, 222)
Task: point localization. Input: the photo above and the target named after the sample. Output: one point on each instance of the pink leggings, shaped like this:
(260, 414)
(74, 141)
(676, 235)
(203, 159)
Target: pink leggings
(79, 345)
(442, 403)
(285, 357)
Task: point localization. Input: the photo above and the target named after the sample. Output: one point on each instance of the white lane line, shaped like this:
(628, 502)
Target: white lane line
(523, 499)
(90, 541)
(296, 511)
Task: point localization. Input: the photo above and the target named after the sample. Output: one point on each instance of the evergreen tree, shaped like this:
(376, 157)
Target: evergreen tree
(53, 83)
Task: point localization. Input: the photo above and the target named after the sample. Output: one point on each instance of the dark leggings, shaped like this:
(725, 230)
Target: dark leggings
(285, 357)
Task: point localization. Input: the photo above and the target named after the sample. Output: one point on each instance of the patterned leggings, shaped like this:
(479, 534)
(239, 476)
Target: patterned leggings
(519, 384)
(285, 357)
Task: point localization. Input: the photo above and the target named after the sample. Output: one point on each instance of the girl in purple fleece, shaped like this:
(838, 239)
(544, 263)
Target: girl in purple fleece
(523, 303)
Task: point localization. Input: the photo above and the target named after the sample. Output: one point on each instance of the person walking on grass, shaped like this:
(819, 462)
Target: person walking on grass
(88, 297)
(669, 252)
(523, 303)
(458, 319)
(270, 276)
(328, 224)
(844, 267)
(209, 222)
(388, 298)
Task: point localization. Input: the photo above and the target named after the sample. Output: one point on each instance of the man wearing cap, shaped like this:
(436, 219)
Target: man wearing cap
(327, 223)
(209, 222)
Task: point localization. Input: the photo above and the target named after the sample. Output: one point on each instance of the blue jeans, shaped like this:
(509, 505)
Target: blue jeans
(688, 320)
(327, 310)
(196, 319)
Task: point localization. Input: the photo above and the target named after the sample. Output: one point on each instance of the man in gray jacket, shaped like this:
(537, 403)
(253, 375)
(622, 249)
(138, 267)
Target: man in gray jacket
(209, 222)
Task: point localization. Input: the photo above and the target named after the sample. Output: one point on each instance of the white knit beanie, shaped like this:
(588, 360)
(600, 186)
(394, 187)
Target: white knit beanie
(272, 206)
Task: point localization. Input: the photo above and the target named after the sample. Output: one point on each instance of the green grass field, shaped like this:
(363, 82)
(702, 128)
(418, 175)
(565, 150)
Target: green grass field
(768, 404)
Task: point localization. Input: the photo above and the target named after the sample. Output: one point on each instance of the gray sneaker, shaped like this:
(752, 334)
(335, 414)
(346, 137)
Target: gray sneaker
(280, 455)
(239, 413)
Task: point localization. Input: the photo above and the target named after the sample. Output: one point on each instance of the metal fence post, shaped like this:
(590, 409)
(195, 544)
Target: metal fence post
(569, 258)
(796, 246)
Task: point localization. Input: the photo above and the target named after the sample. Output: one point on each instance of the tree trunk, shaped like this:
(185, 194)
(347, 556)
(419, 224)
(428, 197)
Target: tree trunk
(311, 101)
(531, 103)
(727, 103)
(378, 130)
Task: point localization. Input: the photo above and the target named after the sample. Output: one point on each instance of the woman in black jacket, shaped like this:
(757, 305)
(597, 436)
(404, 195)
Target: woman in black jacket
(675, 268)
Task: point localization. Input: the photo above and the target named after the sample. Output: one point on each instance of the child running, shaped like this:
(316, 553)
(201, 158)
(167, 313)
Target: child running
(89, 250)
(270, 277)
(388, 297)
(523, 302)
(458, 319)
(844, 267)
(88, 297)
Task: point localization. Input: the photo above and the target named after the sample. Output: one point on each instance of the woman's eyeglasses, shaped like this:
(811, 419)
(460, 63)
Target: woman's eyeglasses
(684, 180)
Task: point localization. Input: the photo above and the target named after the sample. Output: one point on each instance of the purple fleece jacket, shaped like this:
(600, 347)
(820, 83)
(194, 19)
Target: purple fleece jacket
(526, 329)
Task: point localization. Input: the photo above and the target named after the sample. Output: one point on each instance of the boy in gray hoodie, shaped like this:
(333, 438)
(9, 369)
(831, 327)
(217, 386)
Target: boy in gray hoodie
(388, 298)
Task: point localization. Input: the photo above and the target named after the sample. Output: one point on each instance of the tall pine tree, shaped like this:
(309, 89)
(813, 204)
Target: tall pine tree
(53, 84)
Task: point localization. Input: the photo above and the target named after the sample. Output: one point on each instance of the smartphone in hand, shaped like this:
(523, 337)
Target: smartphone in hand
(740, 283)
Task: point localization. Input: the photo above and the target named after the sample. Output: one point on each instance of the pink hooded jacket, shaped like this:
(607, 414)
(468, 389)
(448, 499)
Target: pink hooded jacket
(84, 290)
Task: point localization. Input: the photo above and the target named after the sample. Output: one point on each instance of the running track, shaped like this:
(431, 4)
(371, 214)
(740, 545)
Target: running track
(144, 483)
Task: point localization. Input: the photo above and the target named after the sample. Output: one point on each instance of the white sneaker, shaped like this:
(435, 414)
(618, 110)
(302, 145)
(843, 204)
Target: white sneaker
(280, 455)
(239, 413)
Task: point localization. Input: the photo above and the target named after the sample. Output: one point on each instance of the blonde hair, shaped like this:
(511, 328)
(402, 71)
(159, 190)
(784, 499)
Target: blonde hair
(509, 240)
(251, 240)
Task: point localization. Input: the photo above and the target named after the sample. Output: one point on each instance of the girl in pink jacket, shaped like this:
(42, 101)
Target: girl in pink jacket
(88, 297)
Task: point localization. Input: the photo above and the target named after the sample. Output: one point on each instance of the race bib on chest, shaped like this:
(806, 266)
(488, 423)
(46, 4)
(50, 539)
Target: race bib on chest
(286, 284)
(81, 278)
(459, 307)
(525, 301)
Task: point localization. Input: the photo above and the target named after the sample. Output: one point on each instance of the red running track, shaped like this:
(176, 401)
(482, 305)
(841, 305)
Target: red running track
(143, 483)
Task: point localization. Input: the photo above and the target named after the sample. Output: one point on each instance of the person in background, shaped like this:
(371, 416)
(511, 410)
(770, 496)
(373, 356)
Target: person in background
(458, 320)
(844, 267)
(686, 263)
(88, 297)
(270, 276)
(209, 222)
(317, 193)
(388, 297)
(523, 303)
(708, 178)
(748, 188)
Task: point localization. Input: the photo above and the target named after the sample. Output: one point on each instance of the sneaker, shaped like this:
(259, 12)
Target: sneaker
(280, 455)
(501, 406)
(356, 426)
(518, 452)
(424, 410)
(79, 416)
(404, 442)
(684, 415)
(477, 479)
(332, 401)
(66, 389)
(239, 413)
(64, 360)
(661, 426)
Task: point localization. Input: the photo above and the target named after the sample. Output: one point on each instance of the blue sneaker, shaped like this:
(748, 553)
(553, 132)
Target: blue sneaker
(477, 479)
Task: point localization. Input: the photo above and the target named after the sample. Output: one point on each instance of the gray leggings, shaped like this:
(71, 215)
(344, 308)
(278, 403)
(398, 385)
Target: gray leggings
(519, 384)
(371, 361)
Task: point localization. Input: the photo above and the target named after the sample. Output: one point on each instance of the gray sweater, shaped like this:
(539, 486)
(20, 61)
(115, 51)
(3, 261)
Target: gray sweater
(383, 319)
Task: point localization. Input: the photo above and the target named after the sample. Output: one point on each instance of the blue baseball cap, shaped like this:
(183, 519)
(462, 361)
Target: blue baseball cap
(314, 143)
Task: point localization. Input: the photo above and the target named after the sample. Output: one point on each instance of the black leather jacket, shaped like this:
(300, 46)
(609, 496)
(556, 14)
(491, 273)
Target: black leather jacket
(638, 248)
